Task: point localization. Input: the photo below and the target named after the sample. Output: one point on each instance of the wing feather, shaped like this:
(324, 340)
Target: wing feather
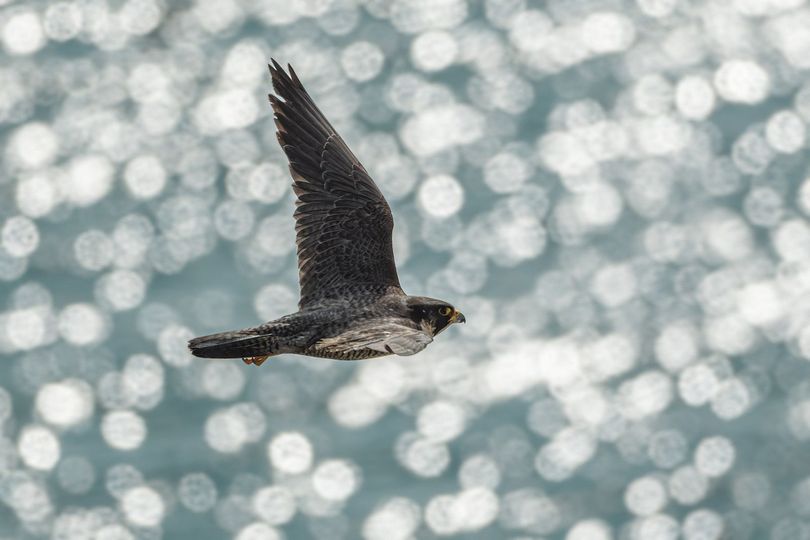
(388, 336)
(343, 222)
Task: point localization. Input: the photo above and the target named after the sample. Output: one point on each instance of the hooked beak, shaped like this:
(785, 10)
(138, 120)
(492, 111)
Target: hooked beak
(458, 317)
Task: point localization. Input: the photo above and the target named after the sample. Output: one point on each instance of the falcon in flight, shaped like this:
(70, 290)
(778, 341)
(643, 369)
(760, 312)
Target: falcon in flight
(351, 305)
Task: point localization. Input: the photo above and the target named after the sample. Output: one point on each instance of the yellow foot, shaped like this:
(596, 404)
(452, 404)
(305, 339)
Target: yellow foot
(255, 360)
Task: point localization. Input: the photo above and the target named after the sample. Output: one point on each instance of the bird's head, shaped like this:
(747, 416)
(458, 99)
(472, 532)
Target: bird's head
(434, 315)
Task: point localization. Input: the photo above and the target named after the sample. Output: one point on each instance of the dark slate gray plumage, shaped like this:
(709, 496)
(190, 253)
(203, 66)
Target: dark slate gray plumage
(351, 306)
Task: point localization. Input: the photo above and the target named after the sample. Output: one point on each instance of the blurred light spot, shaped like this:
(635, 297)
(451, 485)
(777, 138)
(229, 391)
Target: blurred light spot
(697, 384)
(564, 153)
(694, 97)
(122, 290)
(568, 450)
(613, 285)
(114, 531)
(472, 509)
(589, 529)
(143, 506)
(22, 33)
(94, 250)
(123, 430)
(732, 399)
(173, 345)
(742, 81)
(197, 492)
(646, 394)
(82, 324)
(217, 18)
(411, 16)
(143, 379)
(608, 32)
(268, 182)
(441, 421)
(761, 303)
(600, 205)
(439, 128)
(479, 470)
(506, 172)
(223, 380)
(258, 531)
(422, 456)
(274, 504)
(28, 328)
(385, 380)
(335, 479)
(645, 496)
(88, 180)
(362, 61)
(714, 456)
(764, 207)
(530, 32)
(433, 51)
(33, 145)
(226, 431)
(441, 196)
(395, 519)
(274, 300)
(140, 17)
(785, 132)
(657, 8)
(66, 403)
(62, 21)
(676, 346)
(19, 236)
(290, 452)
(120, 478)
(703, 524)
(353, 406)
(38, 448)
(687, 485)
(530, 509)
(145, 176)
(657, 527)
(37, 196)
(789, 34)
(653, 94)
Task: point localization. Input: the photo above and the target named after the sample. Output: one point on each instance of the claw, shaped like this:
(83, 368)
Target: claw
(255, 360)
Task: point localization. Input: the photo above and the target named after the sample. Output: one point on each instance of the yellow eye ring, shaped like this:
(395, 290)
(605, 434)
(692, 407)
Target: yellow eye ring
(445, 311)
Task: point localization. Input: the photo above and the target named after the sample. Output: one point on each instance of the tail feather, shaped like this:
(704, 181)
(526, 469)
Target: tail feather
(239, 344)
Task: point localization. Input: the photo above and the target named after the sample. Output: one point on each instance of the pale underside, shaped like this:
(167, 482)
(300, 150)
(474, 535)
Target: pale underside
(385, 336)
(370, 340)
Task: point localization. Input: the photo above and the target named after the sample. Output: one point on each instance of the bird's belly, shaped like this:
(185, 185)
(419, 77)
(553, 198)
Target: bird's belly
(338, 354)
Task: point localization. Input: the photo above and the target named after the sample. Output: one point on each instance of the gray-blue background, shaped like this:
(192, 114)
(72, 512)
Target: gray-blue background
(613, 192)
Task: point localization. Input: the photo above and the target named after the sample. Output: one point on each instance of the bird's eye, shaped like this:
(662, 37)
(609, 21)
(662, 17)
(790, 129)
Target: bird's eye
(445, 311)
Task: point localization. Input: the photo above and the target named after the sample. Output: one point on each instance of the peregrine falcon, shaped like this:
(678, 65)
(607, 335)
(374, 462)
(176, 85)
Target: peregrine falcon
(352, 306)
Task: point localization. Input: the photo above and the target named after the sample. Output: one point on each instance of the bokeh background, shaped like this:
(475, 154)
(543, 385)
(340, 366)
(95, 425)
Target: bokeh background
(613, 192)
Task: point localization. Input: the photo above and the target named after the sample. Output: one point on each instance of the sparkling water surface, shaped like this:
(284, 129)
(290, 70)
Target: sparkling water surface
(616, 194)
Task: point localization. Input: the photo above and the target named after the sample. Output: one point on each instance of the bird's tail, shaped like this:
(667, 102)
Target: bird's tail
(235, 344)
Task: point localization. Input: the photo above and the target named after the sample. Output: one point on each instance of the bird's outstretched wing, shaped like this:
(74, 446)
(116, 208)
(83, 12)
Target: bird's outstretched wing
(386, 336)
(343, 222)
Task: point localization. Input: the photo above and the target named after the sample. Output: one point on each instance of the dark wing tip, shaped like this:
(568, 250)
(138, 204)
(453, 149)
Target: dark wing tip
(284, 84)
(294, 76)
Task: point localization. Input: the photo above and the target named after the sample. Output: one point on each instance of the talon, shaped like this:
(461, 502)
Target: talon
(255, 360)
